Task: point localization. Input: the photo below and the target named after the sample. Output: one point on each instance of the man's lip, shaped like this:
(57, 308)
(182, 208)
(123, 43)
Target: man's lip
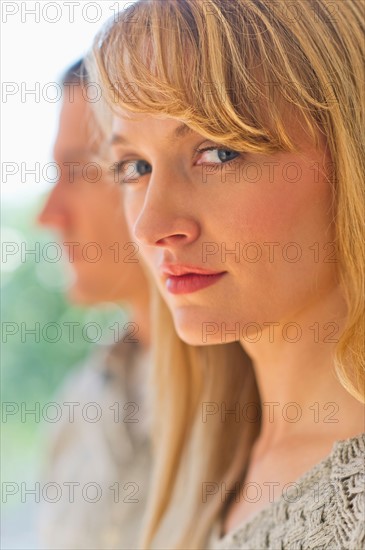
(177, 270)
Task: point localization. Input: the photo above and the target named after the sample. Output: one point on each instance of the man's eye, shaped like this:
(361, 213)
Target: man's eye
(214, 155)
(129, 171)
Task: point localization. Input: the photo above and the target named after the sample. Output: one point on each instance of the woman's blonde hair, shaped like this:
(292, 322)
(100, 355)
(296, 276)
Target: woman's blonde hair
(230, 69)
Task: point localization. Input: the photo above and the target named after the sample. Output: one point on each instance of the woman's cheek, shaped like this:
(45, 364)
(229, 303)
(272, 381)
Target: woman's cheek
(272, 209)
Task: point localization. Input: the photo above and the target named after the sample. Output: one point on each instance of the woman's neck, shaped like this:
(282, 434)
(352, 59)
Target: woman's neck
(299, 391)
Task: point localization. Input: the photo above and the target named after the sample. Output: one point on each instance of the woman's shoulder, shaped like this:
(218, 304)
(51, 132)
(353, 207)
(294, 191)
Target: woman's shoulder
(348, 478)
(348, 455)
(324, 508)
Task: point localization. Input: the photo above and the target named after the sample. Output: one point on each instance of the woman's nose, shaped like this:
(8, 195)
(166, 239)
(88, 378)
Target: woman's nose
(165, 219)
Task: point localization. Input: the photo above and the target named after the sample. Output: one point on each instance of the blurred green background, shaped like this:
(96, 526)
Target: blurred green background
(34, 291)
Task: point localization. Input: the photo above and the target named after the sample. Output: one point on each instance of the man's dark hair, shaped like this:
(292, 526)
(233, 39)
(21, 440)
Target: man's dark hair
(76, 74)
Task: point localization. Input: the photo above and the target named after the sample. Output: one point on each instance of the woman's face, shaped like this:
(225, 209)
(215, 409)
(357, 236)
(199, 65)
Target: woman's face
(234, 241)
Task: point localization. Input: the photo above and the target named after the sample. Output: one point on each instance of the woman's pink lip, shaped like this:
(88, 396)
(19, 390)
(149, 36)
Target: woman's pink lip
(191, 282)
(181, 269)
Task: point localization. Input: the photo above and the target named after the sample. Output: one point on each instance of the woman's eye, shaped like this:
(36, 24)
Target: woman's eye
(216, 156)
(129, 171)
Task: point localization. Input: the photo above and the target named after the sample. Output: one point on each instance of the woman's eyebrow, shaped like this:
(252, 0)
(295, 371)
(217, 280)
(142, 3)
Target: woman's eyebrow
(181, 131)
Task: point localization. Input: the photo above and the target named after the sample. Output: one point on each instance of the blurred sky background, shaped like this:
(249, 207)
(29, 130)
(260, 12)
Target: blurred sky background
(32, 52)
(33, 291)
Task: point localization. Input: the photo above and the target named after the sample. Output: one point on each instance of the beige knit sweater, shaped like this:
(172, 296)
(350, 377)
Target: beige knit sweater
(324, 510)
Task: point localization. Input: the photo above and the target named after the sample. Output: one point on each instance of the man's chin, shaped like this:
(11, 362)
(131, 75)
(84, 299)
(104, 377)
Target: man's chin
(83, 297)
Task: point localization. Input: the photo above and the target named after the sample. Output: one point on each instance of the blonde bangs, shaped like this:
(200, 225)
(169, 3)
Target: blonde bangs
(238, 99)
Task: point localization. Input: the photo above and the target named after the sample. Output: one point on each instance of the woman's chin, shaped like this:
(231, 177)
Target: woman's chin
(196, 329)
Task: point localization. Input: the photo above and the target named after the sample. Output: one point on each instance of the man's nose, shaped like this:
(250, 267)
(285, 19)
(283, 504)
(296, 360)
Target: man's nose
(53, 213)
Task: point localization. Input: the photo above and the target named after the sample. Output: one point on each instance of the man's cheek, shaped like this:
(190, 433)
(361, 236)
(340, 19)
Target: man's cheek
(132, 211)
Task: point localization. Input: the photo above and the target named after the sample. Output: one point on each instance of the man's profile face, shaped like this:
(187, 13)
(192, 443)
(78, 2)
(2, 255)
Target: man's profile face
(86, 208)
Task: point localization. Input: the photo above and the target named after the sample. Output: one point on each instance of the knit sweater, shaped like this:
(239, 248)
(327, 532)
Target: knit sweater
(323, 509)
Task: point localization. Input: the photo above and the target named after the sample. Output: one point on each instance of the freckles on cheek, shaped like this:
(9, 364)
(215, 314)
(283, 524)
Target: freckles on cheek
(261, 219)
(281, 210)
